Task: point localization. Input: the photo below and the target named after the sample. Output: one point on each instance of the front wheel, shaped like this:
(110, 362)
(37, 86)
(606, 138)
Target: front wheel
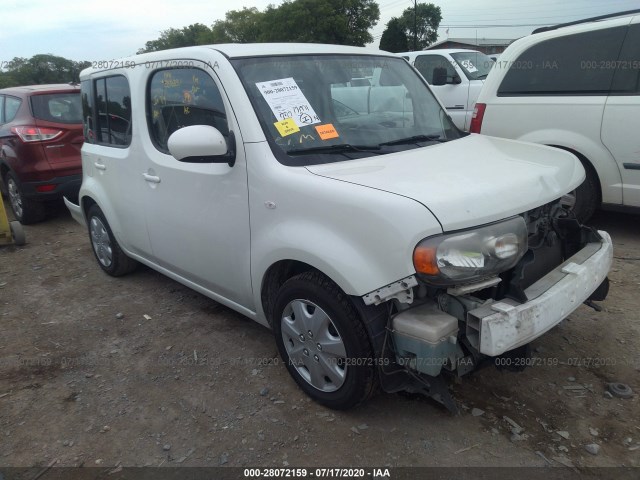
(106, 249)
(323, 342)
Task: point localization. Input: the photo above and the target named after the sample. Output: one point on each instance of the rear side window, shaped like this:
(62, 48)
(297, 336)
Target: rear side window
(11, 106)
(57, 107)
(113, 105)
(580, 64)
(627, 77)
(182, 97)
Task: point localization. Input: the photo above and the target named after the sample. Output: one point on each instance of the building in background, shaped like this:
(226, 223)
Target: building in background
(487, 46)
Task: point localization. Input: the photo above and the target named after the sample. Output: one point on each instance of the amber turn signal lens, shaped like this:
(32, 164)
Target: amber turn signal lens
(424, 259)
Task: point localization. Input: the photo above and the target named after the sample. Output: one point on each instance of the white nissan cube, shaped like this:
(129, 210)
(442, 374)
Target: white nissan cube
(384, 247)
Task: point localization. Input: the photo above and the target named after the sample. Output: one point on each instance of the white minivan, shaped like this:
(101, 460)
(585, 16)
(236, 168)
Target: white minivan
(383, 246)
(456, 76)
(576, 87)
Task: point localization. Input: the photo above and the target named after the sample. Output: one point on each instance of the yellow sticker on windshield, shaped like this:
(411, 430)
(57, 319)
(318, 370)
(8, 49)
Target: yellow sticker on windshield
(327, 131)
(287, 127)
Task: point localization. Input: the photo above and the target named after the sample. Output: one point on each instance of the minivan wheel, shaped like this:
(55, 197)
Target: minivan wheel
(26, 211)
(110, 256)
(323, 342)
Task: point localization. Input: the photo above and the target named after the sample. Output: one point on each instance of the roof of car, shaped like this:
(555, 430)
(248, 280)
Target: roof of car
(523, 43)
(439, 51)
(53, 87)
(238, 50)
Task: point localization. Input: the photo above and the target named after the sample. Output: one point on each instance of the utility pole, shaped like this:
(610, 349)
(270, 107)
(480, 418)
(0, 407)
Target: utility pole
(415, 25)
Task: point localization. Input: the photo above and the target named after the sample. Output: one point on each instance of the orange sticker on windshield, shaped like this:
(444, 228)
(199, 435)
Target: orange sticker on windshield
(287, 127)
(327, 131)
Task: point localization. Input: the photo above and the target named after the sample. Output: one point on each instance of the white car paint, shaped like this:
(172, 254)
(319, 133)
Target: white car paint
(218, 228)
(601, 128)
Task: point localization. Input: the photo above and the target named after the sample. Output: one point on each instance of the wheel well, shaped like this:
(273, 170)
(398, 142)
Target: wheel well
(587, 165)
(276, 275)
(87, 203)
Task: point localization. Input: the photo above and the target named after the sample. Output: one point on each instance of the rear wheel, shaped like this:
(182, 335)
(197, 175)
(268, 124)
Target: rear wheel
(323, 342)
(25, 210)
(110, 256)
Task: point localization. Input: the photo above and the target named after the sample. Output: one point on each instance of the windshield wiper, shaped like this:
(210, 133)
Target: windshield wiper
(415, 139)
(345, 147)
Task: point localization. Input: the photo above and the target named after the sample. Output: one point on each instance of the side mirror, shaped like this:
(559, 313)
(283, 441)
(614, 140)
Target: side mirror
(439, 76)
(202, 144)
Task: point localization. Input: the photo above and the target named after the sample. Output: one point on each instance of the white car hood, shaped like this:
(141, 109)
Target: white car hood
(467, 182)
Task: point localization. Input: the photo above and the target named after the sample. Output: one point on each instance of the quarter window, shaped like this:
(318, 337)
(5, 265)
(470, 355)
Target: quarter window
(11, 106)
(113, 102)
(627, 78)
(87, 112)
(580, 64)
(183, 97)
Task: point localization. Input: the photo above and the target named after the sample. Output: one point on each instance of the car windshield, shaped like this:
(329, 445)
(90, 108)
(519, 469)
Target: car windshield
(58, 107)
(327, 108)
(476, 65)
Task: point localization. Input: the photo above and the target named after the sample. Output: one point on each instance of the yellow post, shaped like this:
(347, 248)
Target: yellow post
(5, 230)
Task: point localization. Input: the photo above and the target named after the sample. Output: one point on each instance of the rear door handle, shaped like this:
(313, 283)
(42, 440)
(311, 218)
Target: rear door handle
(100, 166)
(151, 178)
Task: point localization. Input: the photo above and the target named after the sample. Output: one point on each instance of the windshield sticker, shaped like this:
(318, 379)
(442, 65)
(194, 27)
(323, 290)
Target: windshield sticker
(286, 100)
(327, 131)
(468, 64)
(287, 127)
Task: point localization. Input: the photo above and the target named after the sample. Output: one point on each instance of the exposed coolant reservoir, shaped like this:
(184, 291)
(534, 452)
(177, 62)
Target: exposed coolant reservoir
(425, 337)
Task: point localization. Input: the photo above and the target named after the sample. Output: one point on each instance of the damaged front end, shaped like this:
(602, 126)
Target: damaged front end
(487, 291)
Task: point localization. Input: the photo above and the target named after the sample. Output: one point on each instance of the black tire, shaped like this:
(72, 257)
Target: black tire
(105, 247)
(345, 379)
(17, 232)
(26, 211)
(587, 197)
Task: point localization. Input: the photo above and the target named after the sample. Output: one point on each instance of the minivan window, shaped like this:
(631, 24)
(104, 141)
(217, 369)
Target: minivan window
(627, 77)
(426, 64)
(11, 106)
(57, 107)
(475, 65)
(181, 97)
(311, 113)
(113, 102)
(578, 64)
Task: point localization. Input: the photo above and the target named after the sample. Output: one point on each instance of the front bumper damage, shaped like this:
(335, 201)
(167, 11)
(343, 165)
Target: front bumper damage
(506, 324)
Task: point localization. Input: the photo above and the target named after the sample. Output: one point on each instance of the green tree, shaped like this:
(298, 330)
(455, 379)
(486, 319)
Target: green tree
(344, 22)
(394, 38)
(426, 17)
(239, 26)
(195, 34)
(41, 69)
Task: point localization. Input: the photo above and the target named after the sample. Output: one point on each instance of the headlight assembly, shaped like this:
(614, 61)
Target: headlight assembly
(470, 255)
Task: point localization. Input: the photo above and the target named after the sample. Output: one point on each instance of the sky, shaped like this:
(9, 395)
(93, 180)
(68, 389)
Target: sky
(93, 31)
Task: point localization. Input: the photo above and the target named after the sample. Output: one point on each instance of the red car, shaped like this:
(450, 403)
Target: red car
(40, 140)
